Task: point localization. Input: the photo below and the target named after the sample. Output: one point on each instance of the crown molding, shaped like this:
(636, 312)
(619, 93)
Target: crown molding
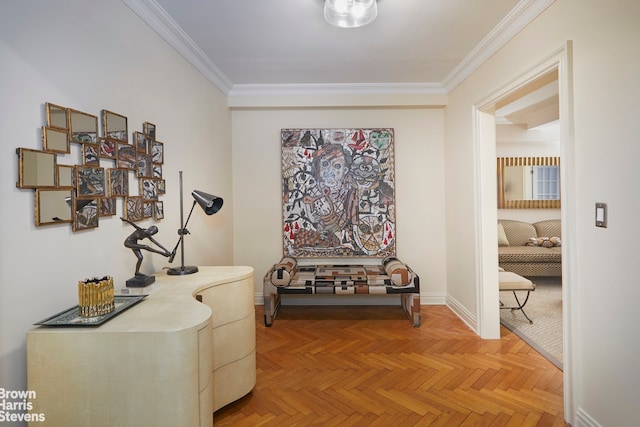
(337, 89)
(156, 18)
(521, 16)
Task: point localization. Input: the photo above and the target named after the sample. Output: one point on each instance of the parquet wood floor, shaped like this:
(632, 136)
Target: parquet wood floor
(367, 366)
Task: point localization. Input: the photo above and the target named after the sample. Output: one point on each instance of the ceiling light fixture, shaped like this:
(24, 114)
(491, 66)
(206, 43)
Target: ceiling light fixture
(350, 13)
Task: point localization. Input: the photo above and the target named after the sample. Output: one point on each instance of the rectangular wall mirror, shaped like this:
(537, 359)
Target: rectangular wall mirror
(65, 176)
(115, 126)
(528, 182)
(56, 140)
(84, 127)
(57, 116)
(36, 169)
(52, 207)
(80, 190)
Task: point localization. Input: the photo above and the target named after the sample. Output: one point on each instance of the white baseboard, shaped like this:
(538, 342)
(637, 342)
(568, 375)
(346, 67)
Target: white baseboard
(459, 310)
(585, 420)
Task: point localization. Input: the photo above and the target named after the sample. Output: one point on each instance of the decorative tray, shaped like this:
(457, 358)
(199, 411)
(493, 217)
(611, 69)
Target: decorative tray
(71, 317)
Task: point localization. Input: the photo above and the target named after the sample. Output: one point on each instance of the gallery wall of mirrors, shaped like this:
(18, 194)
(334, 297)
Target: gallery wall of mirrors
(528, 182)
(80, 186)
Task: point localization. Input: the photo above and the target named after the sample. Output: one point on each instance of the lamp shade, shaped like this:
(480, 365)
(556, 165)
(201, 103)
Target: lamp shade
(210, 204)
(350, 13)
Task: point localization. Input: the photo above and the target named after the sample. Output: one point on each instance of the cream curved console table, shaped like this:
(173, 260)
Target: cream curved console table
(167, 361)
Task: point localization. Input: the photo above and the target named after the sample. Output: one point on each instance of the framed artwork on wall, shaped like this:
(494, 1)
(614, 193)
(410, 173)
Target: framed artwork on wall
(126, 156)
(107, 206)
(158, 211)
(157, 152)
(143, 161)
(90, 155)
(149, 129)
(133, 208)
(85, 214)
(148, 189)
(160, 186)
(140, 142)
(107, 148)
(118, 182)
(81, 190)
(338, 192)
(147, 209)
(89, 181)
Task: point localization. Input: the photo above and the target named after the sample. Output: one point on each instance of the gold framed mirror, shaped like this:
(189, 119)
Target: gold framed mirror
(115, 126)
(528, 182)
(52, 207)
(81, 193)
(65, 176)
(83, 127)
(36, 169)
(57, 116)
(55, 140)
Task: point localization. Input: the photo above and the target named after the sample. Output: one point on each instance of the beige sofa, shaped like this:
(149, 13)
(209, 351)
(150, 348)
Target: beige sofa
(530, 249)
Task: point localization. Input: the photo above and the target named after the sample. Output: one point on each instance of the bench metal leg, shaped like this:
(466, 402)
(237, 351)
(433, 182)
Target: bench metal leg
(519, 306)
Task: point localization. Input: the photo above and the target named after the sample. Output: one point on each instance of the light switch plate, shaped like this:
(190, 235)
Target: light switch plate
(601, 215)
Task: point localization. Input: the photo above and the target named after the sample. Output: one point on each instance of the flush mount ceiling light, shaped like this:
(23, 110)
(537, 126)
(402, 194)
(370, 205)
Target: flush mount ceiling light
(350, 13)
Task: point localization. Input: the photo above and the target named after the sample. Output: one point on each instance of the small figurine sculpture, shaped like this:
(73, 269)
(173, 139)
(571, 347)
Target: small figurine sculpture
(133, 242)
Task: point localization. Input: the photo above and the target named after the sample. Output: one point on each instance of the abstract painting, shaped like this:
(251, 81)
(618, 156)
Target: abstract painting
(338, 192)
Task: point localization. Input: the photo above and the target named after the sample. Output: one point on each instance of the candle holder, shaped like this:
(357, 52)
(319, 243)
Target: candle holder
(96, 297)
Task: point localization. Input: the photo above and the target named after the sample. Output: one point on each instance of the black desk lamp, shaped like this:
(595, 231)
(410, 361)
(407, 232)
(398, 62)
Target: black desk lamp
(210, 204)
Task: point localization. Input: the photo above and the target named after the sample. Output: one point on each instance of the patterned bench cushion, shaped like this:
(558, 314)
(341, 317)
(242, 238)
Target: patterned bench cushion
(347, 280)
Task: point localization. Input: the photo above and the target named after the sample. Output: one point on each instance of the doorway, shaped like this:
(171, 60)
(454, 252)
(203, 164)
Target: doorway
(529, 165)
(488, 322)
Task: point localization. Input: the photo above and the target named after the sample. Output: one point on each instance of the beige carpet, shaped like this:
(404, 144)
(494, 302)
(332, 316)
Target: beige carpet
(545, 309)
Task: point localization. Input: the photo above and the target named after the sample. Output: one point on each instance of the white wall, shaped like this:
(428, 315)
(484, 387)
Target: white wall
(605, 65)
(418, 172)
(92, 56)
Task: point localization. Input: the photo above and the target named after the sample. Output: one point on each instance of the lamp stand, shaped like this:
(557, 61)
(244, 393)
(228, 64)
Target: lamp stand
(182, 270)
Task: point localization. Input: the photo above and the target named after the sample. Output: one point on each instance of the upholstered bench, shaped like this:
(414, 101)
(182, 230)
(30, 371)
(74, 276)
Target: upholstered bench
(513, 282)
(390, 277)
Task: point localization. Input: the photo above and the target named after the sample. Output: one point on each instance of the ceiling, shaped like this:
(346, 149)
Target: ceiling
(532, 106)
(422, 46)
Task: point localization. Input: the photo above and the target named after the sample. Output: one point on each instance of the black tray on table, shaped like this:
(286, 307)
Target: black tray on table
(71, 316)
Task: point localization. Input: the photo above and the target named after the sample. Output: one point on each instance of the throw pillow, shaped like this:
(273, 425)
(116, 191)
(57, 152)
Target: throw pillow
(397, 271)
(502, 236)
(556, 241)
(284, 271)
(545, 242)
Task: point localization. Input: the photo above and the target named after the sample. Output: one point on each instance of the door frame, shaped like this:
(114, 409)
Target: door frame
(488, 320)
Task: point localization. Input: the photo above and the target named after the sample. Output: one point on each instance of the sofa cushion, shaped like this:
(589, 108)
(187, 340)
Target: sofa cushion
(518, 232)
(550, 227)
(531, 254)
(502, 237)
